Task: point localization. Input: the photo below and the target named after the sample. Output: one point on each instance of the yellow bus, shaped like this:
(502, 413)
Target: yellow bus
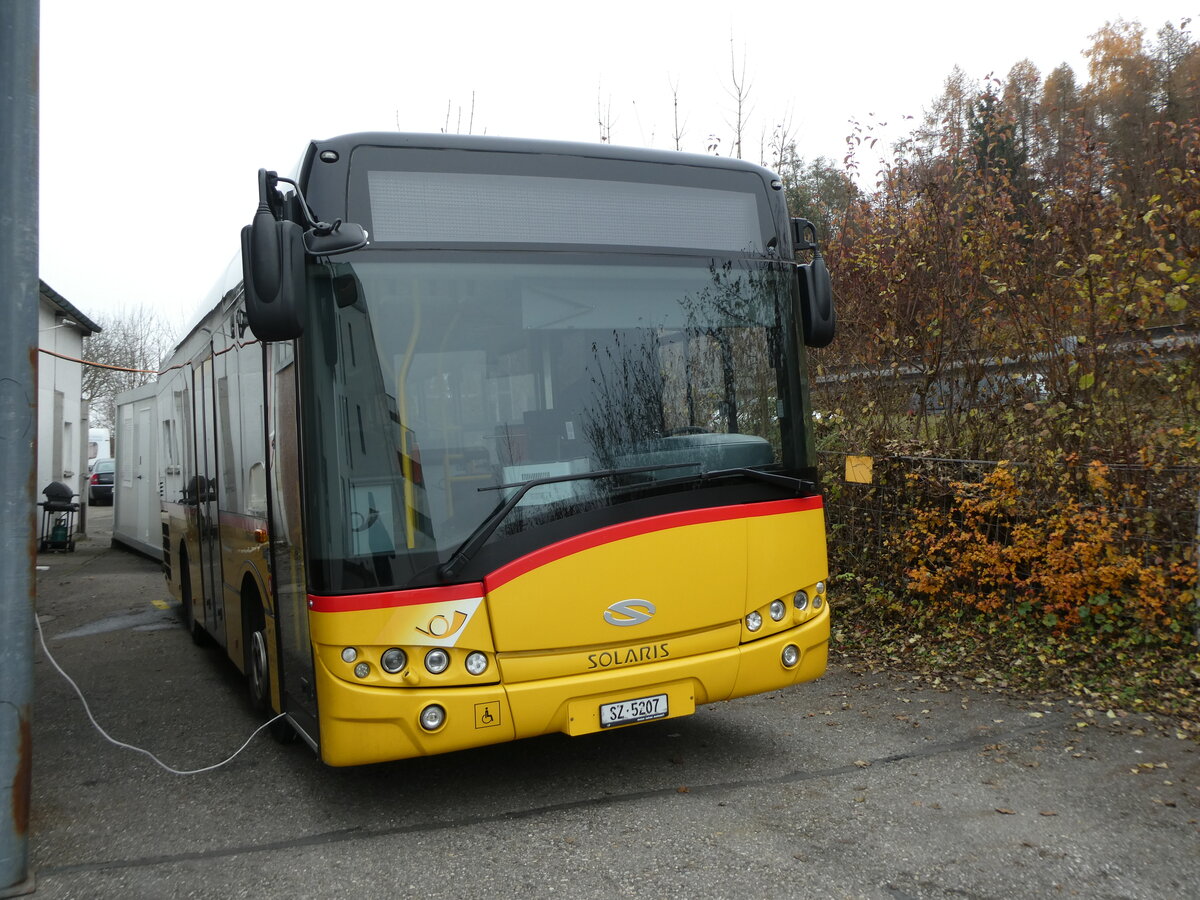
(487, 438)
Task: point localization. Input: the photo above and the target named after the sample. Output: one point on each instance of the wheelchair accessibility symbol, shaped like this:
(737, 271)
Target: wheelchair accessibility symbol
(487, 715)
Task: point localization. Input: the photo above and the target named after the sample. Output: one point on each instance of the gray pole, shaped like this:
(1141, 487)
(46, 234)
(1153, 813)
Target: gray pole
(18, 428)
(1196, 547)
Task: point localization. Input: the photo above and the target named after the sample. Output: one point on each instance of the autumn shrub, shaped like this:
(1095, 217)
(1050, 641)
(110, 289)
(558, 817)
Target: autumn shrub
(1070, 563)
(1042, 577)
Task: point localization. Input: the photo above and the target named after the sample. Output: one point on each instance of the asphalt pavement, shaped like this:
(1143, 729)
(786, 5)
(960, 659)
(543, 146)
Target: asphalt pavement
(874, 784)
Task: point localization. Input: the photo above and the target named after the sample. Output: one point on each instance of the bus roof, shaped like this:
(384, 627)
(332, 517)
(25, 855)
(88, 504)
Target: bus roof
(488, 143)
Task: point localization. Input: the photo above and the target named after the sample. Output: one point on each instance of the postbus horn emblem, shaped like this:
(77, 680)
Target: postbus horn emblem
(629, 612)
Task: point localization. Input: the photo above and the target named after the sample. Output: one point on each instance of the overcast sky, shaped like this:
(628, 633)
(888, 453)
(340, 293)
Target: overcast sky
(156, 116)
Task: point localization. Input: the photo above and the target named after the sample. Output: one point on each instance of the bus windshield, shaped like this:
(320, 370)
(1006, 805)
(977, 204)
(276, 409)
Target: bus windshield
(442, 381)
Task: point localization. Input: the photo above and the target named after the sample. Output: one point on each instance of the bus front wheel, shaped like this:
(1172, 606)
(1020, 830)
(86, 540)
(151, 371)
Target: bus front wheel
(258, 664)
(254, 644)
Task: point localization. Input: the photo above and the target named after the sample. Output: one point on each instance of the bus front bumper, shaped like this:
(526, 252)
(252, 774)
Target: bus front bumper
(361, 724)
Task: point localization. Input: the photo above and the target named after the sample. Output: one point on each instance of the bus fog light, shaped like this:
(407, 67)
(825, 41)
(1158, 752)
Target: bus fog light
(349, 655)
(362, 670)
(791, 655)
(433, 717)
(393, 660)
(477, 663)
(778, 610)
(436, 661)
(754, 621)
(800, 600)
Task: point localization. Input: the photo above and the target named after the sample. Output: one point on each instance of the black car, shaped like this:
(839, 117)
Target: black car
(100, 484)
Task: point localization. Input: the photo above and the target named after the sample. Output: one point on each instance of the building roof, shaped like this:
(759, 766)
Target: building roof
(57, 300)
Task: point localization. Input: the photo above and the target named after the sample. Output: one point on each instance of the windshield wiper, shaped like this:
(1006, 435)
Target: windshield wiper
(468, 548)
(799, 485)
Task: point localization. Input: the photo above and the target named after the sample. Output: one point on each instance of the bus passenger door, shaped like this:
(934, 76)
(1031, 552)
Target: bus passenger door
(207, 523)
(298, 695)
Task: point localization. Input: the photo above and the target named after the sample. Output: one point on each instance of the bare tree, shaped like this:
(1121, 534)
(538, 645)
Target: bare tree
(455, 112)
(604, 117)
(677, 133)
(741, 97)
(458, 125)
(781, 144)
(126, 354)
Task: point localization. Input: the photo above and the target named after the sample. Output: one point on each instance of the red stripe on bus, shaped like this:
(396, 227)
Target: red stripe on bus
(390, 599)
(559, 550)
(613, 533)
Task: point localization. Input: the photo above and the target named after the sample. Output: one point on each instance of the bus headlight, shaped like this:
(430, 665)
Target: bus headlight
(800, 600)
(393, 660)
(778, 610)
(754, 621)
(477, 662)
(436, 661)
(433, 717)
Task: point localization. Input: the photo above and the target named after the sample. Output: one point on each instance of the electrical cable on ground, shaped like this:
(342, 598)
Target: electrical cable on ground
(122, 744)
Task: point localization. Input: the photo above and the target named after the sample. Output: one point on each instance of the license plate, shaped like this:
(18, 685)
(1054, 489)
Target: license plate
(627, 712)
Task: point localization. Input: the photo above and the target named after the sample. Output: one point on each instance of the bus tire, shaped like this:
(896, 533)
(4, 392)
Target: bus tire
(258, 664)
(254, 644)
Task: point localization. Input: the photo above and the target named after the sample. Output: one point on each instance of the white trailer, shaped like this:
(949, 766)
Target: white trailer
(137, 489)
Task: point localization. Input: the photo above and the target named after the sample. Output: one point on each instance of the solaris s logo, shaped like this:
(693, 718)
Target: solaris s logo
(629, 612)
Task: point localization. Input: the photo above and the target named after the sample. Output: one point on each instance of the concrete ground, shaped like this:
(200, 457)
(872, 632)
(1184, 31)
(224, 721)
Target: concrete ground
(868, 784)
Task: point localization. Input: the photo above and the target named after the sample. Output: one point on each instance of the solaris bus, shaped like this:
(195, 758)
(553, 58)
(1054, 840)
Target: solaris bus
(489, 438)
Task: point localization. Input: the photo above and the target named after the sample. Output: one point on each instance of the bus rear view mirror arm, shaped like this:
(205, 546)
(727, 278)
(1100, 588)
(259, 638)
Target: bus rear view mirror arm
(330, 240)
(323, 238)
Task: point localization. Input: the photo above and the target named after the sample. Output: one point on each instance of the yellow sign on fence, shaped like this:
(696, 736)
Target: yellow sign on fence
(859, 469)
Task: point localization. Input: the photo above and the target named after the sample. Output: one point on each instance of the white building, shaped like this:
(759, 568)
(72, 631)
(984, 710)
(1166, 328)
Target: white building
(62, 435)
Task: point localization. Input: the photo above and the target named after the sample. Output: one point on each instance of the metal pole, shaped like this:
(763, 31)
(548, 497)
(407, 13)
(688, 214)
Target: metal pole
(18, 428)
(1196, 589)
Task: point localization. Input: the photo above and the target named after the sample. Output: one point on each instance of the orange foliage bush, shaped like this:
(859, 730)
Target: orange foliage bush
(1071, 564)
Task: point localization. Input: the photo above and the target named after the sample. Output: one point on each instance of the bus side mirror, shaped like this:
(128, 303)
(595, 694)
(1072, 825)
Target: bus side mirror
(273, 267)
(816, 292)
(816, 303)
(273, 278)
